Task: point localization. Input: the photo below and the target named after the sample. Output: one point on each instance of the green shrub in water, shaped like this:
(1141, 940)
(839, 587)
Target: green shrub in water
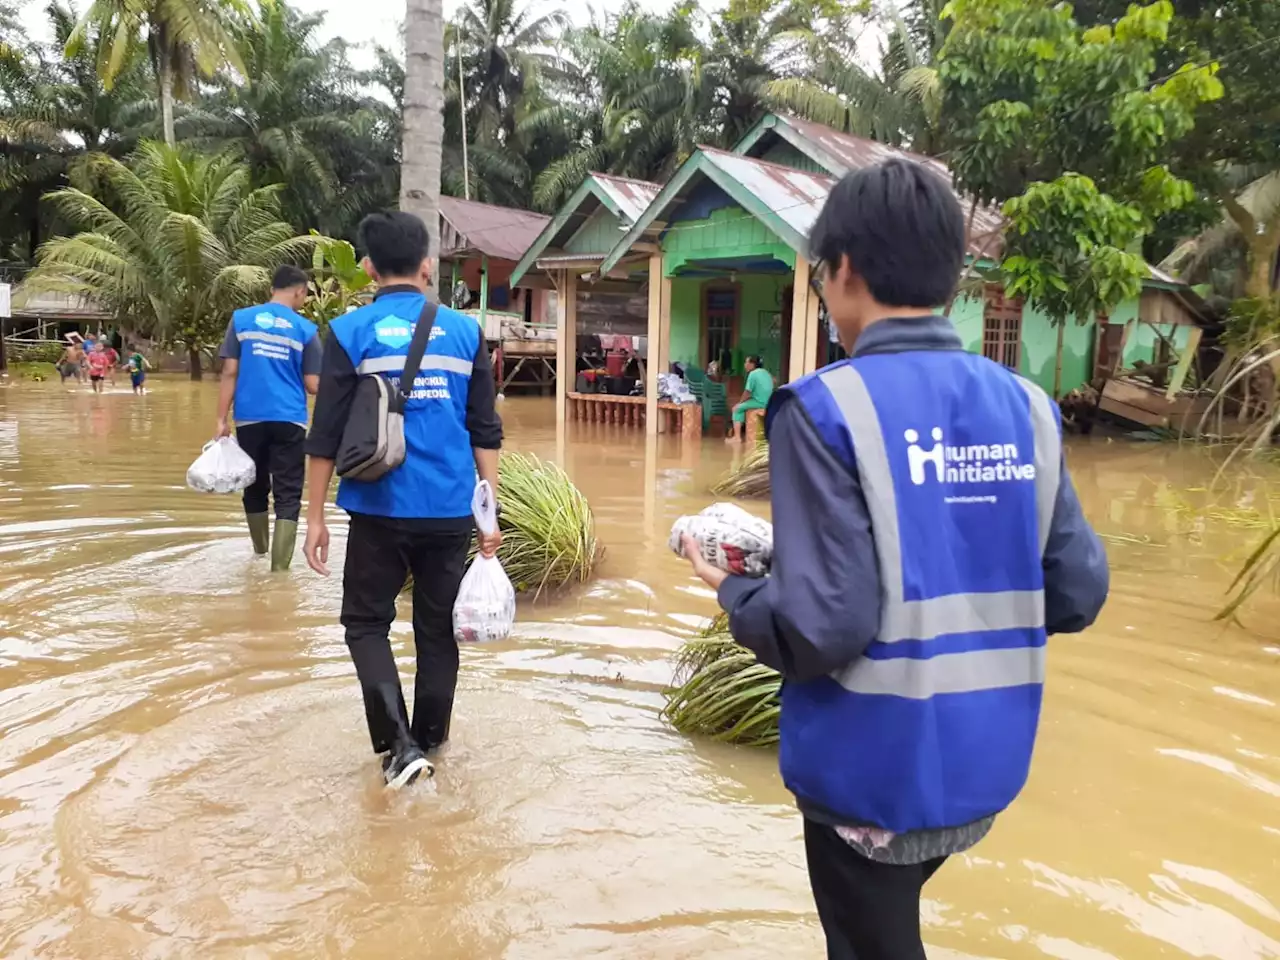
(548, 531)
(721, 691)
(749, 478)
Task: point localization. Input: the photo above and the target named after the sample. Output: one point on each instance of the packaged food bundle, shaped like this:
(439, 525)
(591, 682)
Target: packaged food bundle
(222, 467)
(486, 606)
(729, 538)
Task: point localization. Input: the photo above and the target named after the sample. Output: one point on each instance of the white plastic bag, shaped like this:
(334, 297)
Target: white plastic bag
(729, 538)
(222, 467)
(486, 605)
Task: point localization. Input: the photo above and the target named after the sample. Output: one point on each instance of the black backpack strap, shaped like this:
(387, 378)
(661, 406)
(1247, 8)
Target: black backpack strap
(417, 347)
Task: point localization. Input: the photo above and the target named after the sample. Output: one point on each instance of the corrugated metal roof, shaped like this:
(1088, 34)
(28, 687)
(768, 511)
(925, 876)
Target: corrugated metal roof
(630, 196)
(855, 153)
(503, 233)
(795, 196)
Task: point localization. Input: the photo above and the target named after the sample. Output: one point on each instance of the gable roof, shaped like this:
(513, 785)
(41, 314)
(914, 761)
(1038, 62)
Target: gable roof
(625, 198)
(785, 199)
(842, 153)
(469, 228)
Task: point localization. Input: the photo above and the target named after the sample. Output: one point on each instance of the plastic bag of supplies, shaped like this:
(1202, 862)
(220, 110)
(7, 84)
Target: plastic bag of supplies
(729, 538)
(222, 467)
(486, 606)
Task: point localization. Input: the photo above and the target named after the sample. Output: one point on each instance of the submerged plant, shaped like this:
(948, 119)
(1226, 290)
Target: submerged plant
(722, 691)
(749, 478)
(548, 531)
(1260, 566)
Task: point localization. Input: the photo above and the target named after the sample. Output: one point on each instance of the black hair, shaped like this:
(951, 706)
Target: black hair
(289, 276)
(395, 241)
(902, 229)
(755, 358)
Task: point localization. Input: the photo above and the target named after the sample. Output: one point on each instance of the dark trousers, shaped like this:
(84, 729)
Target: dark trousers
(277, 451)
(381, 553)
(869, 910)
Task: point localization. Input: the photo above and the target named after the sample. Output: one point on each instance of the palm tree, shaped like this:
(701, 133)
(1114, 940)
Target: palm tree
(171, 243)
(183, 37)
(898, 104)
(423, 120)
(505, 52)
(646, 101)
(290, 114)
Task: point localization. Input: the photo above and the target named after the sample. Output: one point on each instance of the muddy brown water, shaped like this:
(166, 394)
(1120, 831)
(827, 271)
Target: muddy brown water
(184, 771)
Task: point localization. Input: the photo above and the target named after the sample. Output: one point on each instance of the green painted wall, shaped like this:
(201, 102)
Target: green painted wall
(686, 320)
(599, 234)
(788, 156)
(1040, 342)
(728, 232)
(760, 297)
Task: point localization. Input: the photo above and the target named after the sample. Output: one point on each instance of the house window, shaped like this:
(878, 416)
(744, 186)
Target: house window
(722, 322)
(1001, 328)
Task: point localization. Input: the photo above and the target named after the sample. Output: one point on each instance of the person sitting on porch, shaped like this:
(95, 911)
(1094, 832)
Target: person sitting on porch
(755, 396)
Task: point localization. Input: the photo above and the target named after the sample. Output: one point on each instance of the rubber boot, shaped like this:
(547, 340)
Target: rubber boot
(282, 544)
(259, 532)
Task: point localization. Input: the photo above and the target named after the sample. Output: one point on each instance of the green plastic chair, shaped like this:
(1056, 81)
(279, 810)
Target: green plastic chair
(715, 403)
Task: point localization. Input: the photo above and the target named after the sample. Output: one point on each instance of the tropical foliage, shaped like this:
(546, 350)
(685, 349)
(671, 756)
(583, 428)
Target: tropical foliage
(549, 536)
(721, 691)
(172, 240)
(1014, 75)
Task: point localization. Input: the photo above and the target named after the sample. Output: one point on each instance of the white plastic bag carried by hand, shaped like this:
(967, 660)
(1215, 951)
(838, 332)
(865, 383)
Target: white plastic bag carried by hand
(729, 539)
(486, 604)
(222, 467)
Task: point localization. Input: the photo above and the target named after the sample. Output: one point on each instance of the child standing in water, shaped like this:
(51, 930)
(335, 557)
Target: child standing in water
(138, 367)
(99, 364)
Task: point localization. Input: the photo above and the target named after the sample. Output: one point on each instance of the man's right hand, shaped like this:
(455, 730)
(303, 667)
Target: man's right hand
(316, 546)
(223, 429)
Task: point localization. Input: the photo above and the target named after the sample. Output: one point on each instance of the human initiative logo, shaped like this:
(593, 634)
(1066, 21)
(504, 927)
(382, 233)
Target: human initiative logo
(973, 463)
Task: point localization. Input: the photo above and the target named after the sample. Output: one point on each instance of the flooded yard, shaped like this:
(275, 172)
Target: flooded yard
(184, 769)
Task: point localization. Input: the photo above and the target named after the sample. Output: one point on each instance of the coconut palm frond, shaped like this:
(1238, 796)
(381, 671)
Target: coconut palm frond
(721, 691)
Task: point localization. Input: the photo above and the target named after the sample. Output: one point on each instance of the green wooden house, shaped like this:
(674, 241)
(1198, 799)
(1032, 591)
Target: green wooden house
(722, 251)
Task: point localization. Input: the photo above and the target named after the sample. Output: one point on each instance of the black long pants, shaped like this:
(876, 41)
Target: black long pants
(381, 553)
(869, 910)
(277, 450)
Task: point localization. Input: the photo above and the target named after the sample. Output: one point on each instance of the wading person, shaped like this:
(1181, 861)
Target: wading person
(99, 366)
(415, 520)
(755, 396)
(927, 541)
(69, 366)
(270, 362)
(138, 366)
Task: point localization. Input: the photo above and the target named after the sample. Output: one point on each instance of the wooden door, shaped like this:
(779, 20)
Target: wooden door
(788, 304)
(1108, 353)
(1001, 327)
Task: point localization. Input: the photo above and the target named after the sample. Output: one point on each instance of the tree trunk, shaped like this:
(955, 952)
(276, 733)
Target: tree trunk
(193, 361)
(423, 118)
(164, 67)
(1057, 364)
(1261, 265)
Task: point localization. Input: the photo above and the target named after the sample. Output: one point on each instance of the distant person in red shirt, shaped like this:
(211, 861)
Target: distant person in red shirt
(113, 362)
(99, 366)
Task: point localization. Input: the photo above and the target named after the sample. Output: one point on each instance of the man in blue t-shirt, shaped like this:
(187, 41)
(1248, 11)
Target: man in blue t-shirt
(416, 519)
(271, 361)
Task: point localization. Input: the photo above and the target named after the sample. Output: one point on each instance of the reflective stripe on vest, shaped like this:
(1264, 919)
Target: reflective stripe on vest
(396, 364)
(273, 338)
(961, 613)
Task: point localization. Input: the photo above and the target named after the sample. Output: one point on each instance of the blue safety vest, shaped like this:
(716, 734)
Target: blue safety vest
(959, 462)
(438, 476)
(269, 385)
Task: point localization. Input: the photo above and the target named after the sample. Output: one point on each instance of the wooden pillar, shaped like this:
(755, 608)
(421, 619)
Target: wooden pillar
(484, 292)
(664, 352)
(566, 337)
(657, 325)
(801, 359)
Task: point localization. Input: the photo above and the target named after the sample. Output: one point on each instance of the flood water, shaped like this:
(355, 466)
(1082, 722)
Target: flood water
(184, 770)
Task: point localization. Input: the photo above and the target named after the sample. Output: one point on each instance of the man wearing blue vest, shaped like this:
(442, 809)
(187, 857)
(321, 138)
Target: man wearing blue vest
(415, 520)
(270, 362)
(927, 541)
